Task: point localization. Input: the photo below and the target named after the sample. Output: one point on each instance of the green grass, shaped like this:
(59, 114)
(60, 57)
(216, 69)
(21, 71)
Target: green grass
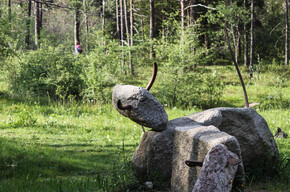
(75, 146)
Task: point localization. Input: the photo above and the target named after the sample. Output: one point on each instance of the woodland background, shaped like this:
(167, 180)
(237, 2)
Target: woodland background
(120, 37)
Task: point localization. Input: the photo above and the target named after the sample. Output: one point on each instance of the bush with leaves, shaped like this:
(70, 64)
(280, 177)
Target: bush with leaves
(183, 82)
(196, 88)
(100, 73)
(47, 71)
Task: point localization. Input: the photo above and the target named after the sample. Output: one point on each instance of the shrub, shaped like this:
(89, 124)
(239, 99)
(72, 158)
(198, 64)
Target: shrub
(189, 89)
(100, 74)
(47, 71)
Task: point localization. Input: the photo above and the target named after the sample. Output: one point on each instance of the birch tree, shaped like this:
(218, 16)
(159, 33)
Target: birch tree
(182, 20)
(36, 24)
(77, 23)
(117, 21)
(122, 36)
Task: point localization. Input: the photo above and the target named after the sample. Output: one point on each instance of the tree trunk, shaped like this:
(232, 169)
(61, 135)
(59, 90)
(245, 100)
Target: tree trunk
(252, 39)
(182, 20)
(127, 34)
(9, 10)
(286, 32)
(36, 25)
(122, 36)
(191, 13)
(188, 15)
(40, 15)
(86, 25)
(131, 21)
(131, 66)
(126, 22)
(246, 51)
(77, 24)
(27, 38)
(117, 21)
(121, 23)
(152, 54)
(103, 20)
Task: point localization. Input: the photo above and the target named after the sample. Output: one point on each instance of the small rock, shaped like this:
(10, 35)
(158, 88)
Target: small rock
(217, 173)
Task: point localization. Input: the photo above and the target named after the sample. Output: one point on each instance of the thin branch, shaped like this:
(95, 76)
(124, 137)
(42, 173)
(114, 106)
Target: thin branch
(237, 68)
(200, 5)
(59, 5)
(154, 74)
(274, 28)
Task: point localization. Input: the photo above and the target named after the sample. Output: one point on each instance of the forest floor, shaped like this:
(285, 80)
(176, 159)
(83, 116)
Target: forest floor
(82, 146)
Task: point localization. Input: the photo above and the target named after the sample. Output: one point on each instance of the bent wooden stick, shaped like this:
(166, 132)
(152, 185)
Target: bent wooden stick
(154, 74)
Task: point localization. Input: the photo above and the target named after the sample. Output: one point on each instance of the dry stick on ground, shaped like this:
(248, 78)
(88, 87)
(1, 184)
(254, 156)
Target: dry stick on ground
(237, 68)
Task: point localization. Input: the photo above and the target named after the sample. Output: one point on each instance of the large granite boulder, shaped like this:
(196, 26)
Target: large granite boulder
(193, 143)
(218, 170)
(242, 130)
(153, 156)
(259, 149)
(144, 109)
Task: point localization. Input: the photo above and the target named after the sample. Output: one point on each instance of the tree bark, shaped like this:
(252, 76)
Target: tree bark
(86, 24)
(286, 32)
(117, 21)
(27, 38)
(121, 23)
(131, 66)
(182, 20)
(126, 22)
(131, 21)
(127, 35)
(246, 46)
(36, 25)
(77, 24)
(40, 15)
(122, 36)
(103, 19)
(9, 10)
(252, 39)
(152, 54)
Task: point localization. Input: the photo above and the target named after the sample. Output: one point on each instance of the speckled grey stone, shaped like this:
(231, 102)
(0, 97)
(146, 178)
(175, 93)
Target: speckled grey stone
(217, 175)
(251, 130)
(146, 110)
(193, 143)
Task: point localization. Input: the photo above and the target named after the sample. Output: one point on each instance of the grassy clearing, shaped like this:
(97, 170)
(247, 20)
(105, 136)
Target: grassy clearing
(73, 146)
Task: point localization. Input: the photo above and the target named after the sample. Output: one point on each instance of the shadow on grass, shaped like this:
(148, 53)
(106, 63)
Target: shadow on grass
(20, 159)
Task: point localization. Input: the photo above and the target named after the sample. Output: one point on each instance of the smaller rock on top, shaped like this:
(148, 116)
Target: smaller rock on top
(217, 174)
(143, 109)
